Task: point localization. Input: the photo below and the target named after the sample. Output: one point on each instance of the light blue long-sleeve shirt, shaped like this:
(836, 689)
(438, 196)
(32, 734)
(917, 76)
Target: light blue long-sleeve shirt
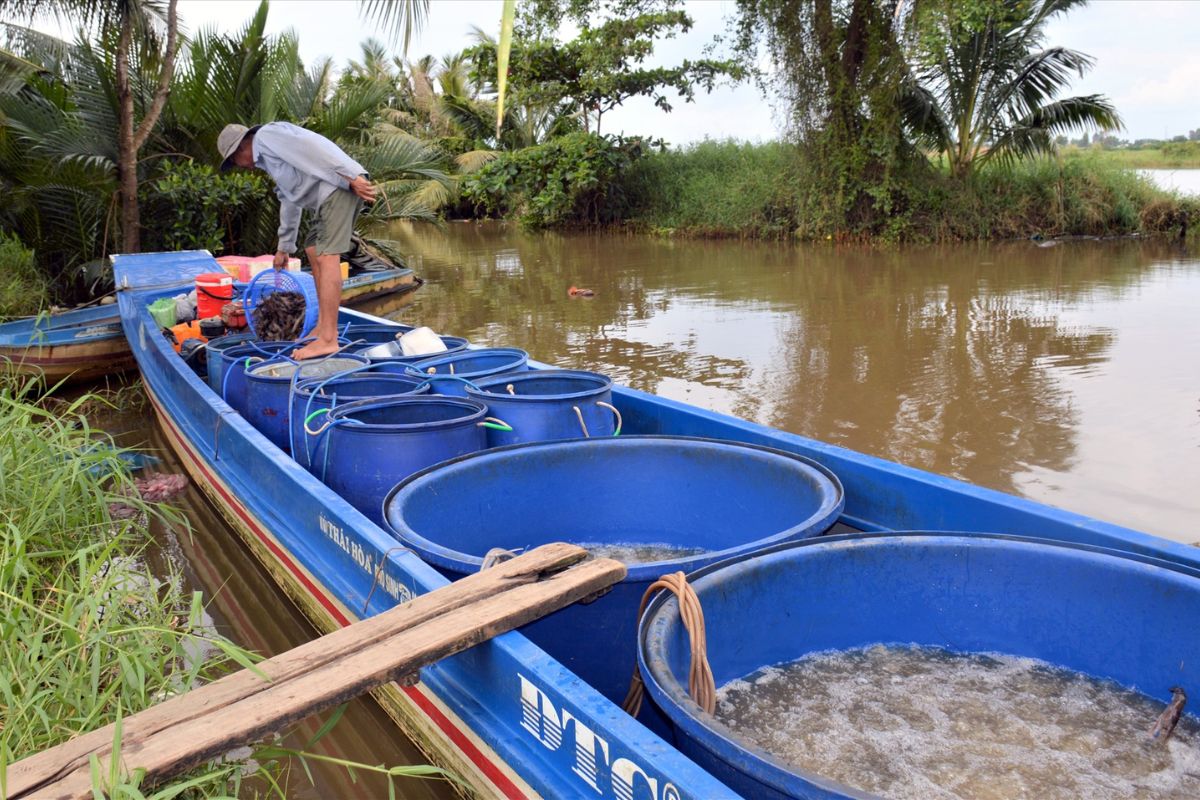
(306, 168)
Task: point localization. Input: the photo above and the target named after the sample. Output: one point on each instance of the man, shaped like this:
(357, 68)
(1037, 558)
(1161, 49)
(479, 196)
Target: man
(314, 174)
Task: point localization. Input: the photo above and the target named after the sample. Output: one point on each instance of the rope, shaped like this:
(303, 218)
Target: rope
(495, 424)
(617, 414)
(701, 686)
(497, 555)
(379, 570)
(582, 424)
(511, 390)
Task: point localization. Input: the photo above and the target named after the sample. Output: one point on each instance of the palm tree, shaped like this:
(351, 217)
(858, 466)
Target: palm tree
(982, 87)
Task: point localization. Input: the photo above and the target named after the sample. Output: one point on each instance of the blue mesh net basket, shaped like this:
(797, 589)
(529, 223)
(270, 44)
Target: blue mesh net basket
(270, 280)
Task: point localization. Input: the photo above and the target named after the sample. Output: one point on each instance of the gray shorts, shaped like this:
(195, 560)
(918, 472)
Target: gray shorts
(330, 231)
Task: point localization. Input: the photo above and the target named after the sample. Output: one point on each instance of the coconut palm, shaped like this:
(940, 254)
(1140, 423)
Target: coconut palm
(982, 88)
(143, 36)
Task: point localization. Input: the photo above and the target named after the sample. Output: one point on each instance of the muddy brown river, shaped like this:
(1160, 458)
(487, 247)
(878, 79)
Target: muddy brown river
(1068, 373)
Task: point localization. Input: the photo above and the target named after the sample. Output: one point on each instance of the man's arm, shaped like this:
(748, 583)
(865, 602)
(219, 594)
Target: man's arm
(289, 226)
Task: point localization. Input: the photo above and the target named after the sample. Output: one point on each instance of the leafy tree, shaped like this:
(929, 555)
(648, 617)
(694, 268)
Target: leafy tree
(983, 88)
(132, 31)
(837, 68)
(604, 65)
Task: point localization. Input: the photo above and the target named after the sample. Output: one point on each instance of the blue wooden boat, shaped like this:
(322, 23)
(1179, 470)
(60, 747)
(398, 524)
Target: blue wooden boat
(84, 344)
(505, 716)
(76, 345)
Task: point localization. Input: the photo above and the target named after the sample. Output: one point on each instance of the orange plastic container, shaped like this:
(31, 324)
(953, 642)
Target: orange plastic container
(186, 330)
(213, 290)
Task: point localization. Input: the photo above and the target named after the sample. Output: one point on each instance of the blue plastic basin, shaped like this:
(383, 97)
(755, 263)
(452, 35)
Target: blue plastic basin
(452, 373)
(1103, 613)
(540, 405)
(309, 397)
(374, 444)
(726, 497)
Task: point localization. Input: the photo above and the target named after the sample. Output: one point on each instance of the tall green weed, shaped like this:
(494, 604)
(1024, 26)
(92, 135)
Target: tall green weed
(24, 290)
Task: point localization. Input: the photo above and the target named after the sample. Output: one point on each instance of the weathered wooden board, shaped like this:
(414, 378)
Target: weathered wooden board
(188, 730)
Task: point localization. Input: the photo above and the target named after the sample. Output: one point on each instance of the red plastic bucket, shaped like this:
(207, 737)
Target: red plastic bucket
(213, 290)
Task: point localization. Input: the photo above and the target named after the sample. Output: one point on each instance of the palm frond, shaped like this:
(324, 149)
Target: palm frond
(473, 160)
(401, 17)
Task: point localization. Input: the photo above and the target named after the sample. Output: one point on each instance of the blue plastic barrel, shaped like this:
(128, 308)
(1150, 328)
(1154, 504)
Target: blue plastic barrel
(315, 397)
(1104, 613)
(399, 363)
(216, 362)
(371, 334)
(371, 445)
(540, 405)
(451, 373)
(269, 386)
(233, 368)
(725, 497)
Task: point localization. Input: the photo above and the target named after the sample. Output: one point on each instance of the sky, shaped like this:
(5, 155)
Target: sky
(1147, 59)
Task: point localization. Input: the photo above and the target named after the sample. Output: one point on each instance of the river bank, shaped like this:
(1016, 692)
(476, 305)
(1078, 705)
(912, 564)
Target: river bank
(771, 191)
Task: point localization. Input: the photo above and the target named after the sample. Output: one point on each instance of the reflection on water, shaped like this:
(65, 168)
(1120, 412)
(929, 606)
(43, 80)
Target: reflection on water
(1067, 374)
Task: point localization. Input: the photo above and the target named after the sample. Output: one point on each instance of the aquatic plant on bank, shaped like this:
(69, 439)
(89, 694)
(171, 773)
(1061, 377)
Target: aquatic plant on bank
(88, 635)
(737, 189)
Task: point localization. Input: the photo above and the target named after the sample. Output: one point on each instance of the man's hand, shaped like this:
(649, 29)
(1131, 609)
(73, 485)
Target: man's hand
(281, 260)
(363, 188)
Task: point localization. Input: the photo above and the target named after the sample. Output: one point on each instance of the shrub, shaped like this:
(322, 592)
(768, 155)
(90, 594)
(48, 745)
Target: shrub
(571, 179)
(24, 290)
(191, 206)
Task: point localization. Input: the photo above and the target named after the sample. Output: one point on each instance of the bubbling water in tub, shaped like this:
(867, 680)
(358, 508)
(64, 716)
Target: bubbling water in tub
(928, 724)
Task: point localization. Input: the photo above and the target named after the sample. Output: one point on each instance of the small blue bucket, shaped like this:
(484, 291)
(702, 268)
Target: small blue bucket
(451, 374)
(374, 444)
(1108, 614)
(269, 385)
(313, 398)
(216, 362)
(539, 405)
(721, 499)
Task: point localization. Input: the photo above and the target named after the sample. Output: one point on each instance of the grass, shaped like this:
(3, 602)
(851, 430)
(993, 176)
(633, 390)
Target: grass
(760, 191)
(714, 189)
(24, 290)
(88, 636)
(1173, 155)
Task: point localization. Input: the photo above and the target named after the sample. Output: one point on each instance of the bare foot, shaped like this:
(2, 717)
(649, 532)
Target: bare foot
(316, 349)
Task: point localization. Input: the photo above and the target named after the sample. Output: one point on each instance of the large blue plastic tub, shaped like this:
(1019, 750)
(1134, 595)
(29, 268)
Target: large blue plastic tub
(540, 405)
(374, 444)
(269, 386)
(1107, 614)
(726, 497)
(452, 373)
(315, 397)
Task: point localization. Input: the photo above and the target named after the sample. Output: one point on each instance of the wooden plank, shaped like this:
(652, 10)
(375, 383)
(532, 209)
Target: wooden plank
(190, 729)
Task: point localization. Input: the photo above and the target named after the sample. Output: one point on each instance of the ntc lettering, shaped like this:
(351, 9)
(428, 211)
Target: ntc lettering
(540, 718)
